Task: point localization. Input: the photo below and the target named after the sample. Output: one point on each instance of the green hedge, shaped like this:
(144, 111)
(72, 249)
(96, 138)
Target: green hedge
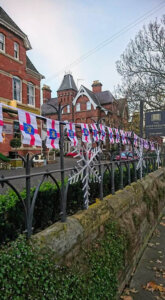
(26, 274)
(47, 208)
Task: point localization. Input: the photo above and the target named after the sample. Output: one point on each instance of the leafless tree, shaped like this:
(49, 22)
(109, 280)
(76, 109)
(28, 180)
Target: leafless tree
(142, 67)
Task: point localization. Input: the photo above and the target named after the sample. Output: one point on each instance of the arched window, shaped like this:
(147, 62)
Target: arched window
(17, 89)
(31, 93)
(2, 42)
(88, 105)
(78, 107)
(68, 109)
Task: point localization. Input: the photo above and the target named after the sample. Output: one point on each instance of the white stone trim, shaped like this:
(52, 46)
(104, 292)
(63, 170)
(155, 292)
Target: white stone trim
(79, 94)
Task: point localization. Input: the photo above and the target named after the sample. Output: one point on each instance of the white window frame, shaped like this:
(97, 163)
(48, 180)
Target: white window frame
(89, 106)
(18, 90)
(2, 41)
(16, 50)
(68, 109)
(31, 96)
(78, 107)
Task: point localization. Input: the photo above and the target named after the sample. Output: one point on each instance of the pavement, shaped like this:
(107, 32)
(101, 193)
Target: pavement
(20, 183)
(148, 281)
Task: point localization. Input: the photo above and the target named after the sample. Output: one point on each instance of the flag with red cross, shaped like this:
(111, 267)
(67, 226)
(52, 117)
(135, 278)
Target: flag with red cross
(53, 134)
(29, 129)
(71, 133)
(1, 123)
(85, 133)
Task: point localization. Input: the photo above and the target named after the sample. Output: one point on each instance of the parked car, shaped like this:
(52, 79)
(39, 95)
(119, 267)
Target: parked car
(125, 156)
(73, 154)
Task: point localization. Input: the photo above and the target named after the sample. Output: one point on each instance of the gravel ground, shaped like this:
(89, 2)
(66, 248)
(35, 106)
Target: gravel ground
(20, 183)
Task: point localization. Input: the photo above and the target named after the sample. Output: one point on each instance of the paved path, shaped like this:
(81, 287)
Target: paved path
(20, 184)
(149, 277)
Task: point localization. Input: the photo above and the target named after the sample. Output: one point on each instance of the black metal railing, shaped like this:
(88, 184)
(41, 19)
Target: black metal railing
(102, 167)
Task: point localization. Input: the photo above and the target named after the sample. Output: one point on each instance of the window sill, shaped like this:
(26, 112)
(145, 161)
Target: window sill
(9, 56)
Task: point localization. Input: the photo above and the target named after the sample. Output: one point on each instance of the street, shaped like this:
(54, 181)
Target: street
(20, 183)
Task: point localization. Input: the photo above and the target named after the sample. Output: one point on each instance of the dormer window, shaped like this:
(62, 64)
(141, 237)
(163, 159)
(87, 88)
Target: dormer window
(16, 50)
(78, 107)
(88, 105)
(2, 42)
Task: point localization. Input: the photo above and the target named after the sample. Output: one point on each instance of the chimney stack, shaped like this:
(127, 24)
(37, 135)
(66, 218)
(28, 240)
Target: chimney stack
(96, 86)
(46, 93)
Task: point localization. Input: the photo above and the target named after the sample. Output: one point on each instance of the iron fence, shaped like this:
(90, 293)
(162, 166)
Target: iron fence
(98, 166)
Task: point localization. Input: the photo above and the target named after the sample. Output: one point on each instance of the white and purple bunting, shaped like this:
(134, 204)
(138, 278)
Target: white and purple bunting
(123, 137)
(1, 123)
(102, 133)
(53, 134)
(29, 129)
(95, 133)
(85, 133)
(71, 133)
(111, 136)
(117, 136)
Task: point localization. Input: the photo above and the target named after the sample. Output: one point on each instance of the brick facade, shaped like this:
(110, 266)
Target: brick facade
(21, 68)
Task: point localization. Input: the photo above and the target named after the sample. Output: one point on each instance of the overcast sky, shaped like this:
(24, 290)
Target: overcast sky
(61, 31)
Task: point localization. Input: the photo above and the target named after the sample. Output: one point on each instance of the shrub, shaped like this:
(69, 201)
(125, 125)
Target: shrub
(15, 143)
(25, 273)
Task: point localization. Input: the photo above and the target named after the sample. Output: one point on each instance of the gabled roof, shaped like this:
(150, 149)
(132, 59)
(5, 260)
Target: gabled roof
(46, 109)
(7, 22)
(67, 83)
(92, 95)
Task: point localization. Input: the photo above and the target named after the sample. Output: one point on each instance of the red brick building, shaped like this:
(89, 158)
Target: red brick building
(84, 105)
(19, 79)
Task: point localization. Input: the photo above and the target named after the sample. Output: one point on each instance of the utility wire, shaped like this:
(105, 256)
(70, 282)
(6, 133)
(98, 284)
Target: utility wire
(109, 40)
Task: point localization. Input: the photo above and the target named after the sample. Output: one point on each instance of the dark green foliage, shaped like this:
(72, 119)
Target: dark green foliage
(4, 158)
(15, 143)
(25, 273)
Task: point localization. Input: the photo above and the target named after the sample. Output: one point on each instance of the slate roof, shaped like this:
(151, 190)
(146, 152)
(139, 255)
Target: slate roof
(4, 16)
(105, 97)
(47, 109)
(30, 65)
(67, 83)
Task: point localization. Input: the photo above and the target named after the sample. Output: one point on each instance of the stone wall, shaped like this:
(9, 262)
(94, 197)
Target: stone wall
(136, 208)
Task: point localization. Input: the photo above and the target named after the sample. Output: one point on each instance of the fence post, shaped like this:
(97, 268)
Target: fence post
(63, 196)
(28, 198)
(129, 173)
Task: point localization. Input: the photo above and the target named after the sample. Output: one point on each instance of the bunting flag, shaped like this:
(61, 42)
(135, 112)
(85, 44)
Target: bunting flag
(123, 138)
(95, 132)
(152, 146)
(117, 136)
(53, 134)
(29, 129)
(129, 135)
(135, 140)
(146, 144)
(102, 133)
(111, 136)
(1, 123)
(71, 133)
(141, 142)
(85, 133)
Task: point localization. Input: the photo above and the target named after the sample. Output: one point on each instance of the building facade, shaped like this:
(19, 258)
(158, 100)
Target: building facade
(84, 105)
(19, 79)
